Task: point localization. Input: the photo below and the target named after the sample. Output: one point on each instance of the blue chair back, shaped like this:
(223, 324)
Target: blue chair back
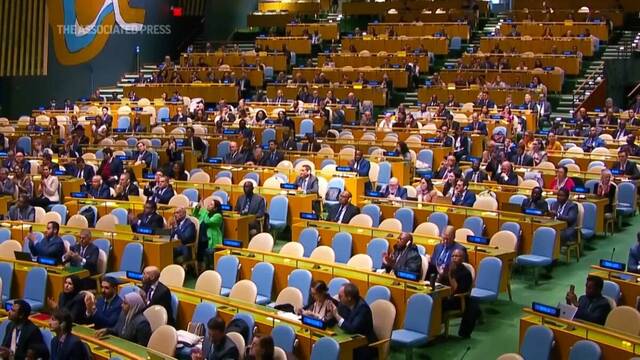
(590, 185)
(132, 257)
(612, 290)
(251, 323)
(373, 211)
(279, 210)
(309, 240)
(377, 292)
(35, 286)
(121, 214)
(195, 170)
(222, 195)
(325, 348)
(227, 267)
(627, 194)
(384, 173)
(375, 248)
(336, 183)
(253, 176)
(489, 275)
(191, 194)
(595, 163)
(62, 210)
(223, 148)
(6, 274)
(544, 239)
(342, 244)
(537, 343)
(426, 156)
(566, 161)
(3, 328)
(306, 127)
(71, 239)
(475, 224)
(174, 306)
(585, 350)
(326, 162)
(301, 280)
(262, 276)
(440, 219)
(203, 312)
(5, 234)
(418, 314)
(517, 199)
(513, 227)
(456, 43)
(124, 122)
(335, 284)
(550, 202)
(103, 244)
(163, 114)
(47, 336)
(95, 213)
(268, 134)
(284, 337)
(127, 289)
(405, 215)
(589, 216)
(24, 144)
(132, 141)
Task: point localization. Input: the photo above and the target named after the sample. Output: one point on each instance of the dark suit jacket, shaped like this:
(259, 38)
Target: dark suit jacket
(526, 160)
(186, 233)
(51, 248)
(443, 170)
(71, 348)
(464, 146)
(569, 213)
(363, 167)
(131, 190)
(482, 176)
(106, 316)
(87, 173)
(634, 259)
(540, 205)
(144, 156)
(198, 144)
(620, 133)
(257, 205)
(116, 167)
(512, 179)
(102, 193)
(90, 256)
(630, 169)
(400, 193)
(312, 184)
(271, 158)
(29, 214)
(227, 350)
(308, 147)
(162, 197)
(153, 221)
(139, 330)
(408, 260)
(349, 213)
(467, 200)
(442, 256)
(359, 320)
(162, 296)
(178, 118)
(30, 335)
(237, 158)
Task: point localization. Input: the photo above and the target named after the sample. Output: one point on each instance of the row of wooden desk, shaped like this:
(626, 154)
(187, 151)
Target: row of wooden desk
(328, 31)
(278, 61)
(599, 30)
(470, 95)
(298, 44)
(399, 77)
(571, 64)
(382, 60)
(376, 94)
(613, 15)
(539, 44)
(436, 45)
(254, 74)
(377, 8)
(451, 29)
(208, 92)
(553, 79)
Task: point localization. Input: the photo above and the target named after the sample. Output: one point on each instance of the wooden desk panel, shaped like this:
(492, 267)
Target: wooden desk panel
(376, 94)
(297, 7)
(439, 46)
(615, 16)
(451, 29)
(399, 77)
(278, 61)
(299, 45)
(454, 15)
(471, 95)
(538, 45)
(393, 60)
(599, 30)
(571, 64)
(328, 31)
(209, 92)
(255, 75)
(553, 80)
(269, 19)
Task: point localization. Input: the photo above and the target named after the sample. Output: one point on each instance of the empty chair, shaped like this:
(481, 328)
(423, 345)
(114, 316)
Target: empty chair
(172, 275)
(335, 284)
(375, 249)
(487, 282)
(35, 288)
(537, 343)
(517, 199)
(589, 211)
(131, 260)
(440, 219)
(191, 194)
(227, 267)
(377, 292)
(361, 262)
(157, 316)
(362, 220)
(384, 315)
(309, 238)
(325, 348)
(291, 296)
(284, 337)
(627, 203)
(504, 240)
(612, 290)
(121, 215)
(544, 239)
(6, 276)
(585, 350)
(415, 327)
(512, 227)
(342, 246)
(406, 216)
(384, 174)
(78, 221)
(373, 211)
(107, 222)
(244, 290)
(5, 234)
(164, 340)
(391, 225)
(323, 253)
(103, 244)
(261, 242)
(209, 281)
(475, 224)
(62, 211)
(293, 249)
(301, 280)
(624, 319)
(427, 228)
(262, 276)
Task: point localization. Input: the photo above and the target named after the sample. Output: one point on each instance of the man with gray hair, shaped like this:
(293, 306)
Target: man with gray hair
(84, 254)
(98, 190)
(183, 230)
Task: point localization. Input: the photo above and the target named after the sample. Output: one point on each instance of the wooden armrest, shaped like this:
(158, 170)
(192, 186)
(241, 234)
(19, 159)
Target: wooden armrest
(379, 343)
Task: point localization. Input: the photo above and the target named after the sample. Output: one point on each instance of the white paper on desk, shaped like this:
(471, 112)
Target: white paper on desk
(567, 311)
(187, 338)
(288, 315)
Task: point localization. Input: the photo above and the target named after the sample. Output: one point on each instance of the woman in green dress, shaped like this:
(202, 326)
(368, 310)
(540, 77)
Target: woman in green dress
(210, 232)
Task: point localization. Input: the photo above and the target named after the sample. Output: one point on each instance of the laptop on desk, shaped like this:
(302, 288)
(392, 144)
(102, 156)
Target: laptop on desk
(567, 311)
(23, 256)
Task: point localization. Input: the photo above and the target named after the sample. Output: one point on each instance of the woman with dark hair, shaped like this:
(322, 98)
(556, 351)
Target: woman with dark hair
(177, 172)
(132, 325)
(71, 299)
(65, 345)
(210, 231)
(262, 348)
(322, 305)
(425, 191)
(173, 151)
(403, 150)
(261, 117)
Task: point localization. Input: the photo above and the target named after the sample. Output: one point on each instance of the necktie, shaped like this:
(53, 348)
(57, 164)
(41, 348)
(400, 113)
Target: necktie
(15, 337)
(82, 250)
(247, 202)
(304, 185)
(339, 214)
(475, 177)
(80, 173)
(150, 294)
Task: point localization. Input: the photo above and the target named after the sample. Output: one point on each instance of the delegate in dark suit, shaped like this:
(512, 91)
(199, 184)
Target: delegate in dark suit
(226, 350)
(476, 176)
(85, 173)
(107, 312)
(633, 264)
(29, 336)
(362, 167)
(162, 196)
(114, 166)
(48, 247)
(70, 348)
(143, 156)
(359, 320)
(406, 260)
(342, 214)
(185, 231)
(310, 186)
(441, 256)
(400, 192)
(480, 127)
(88, 257)
(159, 294)
(567, 212)
(254, 205)
(509, 179)
(103, 192)
(541, 205)
(153, 221)
(629, 169)
(132, 189)
(522, 160)
(466, 199)
(272, 158)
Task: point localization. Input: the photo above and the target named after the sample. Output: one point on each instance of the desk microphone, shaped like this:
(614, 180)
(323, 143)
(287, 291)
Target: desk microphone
(465, 352)
(612, 252)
